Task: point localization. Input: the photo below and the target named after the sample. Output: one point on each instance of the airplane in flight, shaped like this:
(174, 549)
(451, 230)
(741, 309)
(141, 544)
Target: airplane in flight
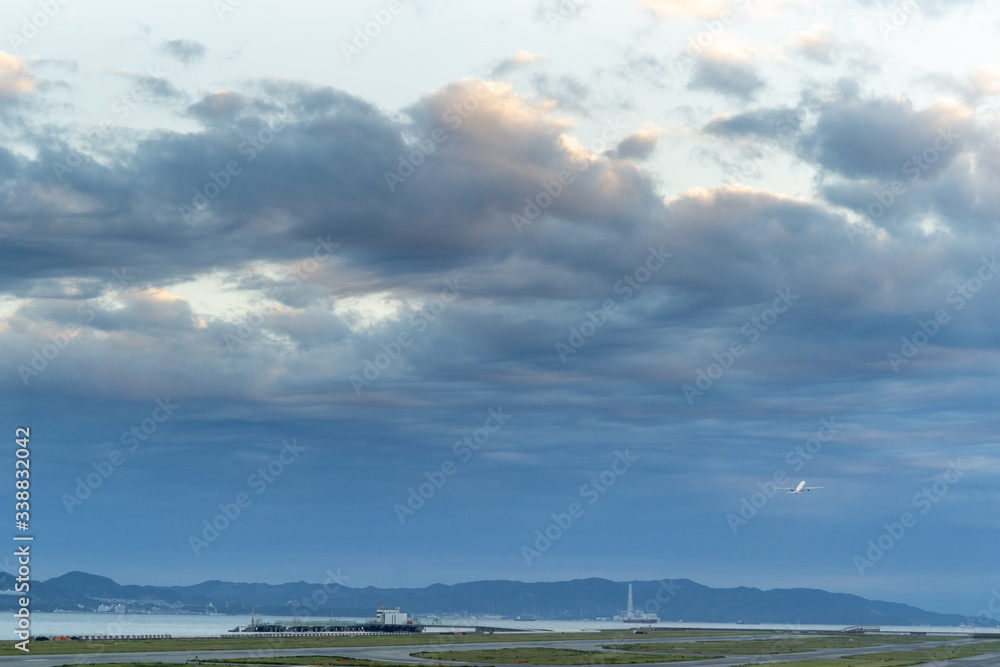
(800, 488)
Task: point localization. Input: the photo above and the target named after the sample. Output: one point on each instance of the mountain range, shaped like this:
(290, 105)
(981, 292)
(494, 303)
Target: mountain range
(671, 600)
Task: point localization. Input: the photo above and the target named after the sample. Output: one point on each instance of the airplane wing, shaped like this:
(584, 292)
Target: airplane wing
(810, 488)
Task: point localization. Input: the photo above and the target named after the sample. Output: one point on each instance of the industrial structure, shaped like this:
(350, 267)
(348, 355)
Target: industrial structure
(633, 616)
(387, 621)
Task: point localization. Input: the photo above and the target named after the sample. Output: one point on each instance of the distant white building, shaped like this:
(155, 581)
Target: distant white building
(390, 616)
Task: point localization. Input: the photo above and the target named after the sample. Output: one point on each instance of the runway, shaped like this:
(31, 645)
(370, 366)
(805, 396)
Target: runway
(401, 654)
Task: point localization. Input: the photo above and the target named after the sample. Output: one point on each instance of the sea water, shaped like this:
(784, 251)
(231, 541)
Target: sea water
(214, 625)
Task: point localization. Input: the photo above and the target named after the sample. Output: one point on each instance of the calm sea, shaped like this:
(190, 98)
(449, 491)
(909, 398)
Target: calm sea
(201, 626)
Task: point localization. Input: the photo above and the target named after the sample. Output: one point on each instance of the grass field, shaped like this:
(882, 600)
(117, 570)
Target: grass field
(306, 660)
(303, 660)
(253, 643)
(936, 654)
(640, 653)
(848, 662)
(771, 646)
(133, 664)
(553, 656)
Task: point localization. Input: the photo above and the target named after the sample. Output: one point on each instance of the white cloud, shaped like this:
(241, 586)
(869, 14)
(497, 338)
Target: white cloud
(15, 77)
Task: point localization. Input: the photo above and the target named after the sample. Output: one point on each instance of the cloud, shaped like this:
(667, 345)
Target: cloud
(640, 145)
(65, 64)
(819, 44)
(972, 88)
(322, 173)
(223, 105)
(729, 74)
(711, 9)
(149, 310)
(15, 78)
(572, 93)
(935, 7)
(184, 50)
(153, 84)
(986, 81)
(520, 59)
(641, 65)
(875, 137)
(556, 12)
(685, 8)
(764, 123)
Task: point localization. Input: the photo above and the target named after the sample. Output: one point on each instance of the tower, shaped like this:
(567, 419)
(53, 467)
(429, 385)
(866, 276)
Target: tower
(628, 614)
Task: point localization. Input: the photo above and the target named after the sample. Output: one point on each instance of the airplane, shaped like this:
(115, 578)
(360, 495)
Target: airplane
(800, 488)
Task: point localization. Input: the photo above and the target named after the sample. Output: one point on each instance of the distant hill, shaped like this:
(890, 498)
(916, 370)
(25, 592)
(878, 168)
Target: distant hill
(672, 600)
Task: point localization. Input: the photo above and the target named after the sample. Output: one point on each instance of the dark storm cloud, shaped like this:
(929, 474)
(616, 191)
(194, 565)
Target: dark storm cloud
(878, 156)
(320, 166)
(726, 74)
(312, 164)
(322, 174)
(877, 137)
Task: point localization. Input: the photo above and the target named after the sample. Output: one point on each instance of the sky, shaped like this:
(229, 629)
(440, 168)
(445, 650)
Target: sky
(432, 291)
